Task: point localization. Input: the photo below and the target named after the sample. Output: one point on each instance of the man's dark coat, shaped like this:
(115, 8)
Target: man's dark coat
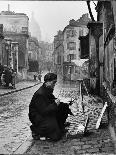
(43, 112)
(46, 117)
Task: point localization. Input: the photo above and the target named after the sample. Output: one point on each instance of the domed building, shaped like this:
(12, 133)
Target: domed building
(34, 28)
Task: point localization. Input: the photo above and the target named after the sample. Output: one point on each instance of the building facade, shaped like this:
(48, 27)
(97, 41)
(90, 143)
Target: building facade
(15, 29)
(58, 55)
(106, 43)
(1, 43)
(34, 28)
(46, 56)
(71, 44)
(106, 13)
(95, 55)
(34, 52)
(49, 56)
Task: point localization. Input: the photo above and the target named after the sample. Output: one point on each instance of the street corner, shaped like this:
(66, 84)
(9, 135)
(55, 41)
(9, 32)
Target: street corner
(24, 146)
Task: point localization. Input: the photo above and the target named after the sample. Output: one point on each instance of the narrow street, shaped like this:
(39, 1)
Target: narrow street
(76, 40)
(14, 122)
(14, 125)
(75, 142)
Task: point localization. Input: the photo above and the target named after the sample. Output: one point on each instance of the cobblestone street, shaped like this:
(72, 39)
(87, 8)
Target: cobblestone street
(14, 122)
(58, 77)
(96, 143)
(75, 142)
(15, 130)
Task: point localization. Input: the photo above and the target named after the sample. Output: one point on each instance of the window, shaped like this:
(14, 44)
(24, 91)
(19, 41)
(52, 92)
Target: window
(81, 32)
(70, 57)
(25, 30)
(71, 46)
(71, 33)
(59, 60)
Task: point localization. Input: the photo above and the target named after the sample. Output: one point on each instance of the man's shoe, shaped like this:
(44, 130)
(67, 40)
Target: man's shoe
(42, 138)
(38, 137)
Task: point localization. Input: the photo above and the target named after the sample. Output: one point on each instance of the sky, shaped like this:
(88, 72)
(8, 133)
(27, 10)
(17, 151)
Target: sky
(51, 16)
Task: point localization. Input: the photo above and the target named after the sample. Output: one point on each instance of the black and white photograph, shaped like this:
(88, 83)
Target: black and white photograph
(58, 77)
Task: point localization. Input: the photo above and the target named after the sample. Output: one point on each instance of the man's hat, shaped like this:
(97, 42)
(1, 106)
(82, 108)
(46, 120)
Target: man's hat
(50, 77)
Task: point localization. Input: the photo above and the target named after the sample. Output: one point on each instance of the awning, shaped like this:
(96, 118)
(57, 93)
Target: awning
(79, 62)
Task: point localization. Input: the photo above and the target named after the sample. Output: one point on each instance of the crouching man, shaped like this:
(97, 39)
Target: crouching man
(46, 113)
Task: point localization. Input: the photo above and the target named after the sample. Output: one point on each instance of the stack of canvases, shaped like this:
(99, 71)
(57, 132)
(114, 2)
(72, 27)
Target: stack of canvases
(69, 93)
(92, 108)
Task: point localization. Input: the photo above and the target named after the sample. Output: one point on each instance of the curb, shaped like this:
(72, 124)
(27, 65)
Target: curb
(16, 90)
(28, 142)
(25, 146)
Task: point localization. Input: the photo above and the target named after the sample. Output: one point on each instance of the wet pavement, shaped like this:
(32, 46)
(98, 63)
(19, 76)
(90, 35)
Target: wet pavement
(14, 122)
(75, 142)
(19, 86)
(98, 143)
(15, 135)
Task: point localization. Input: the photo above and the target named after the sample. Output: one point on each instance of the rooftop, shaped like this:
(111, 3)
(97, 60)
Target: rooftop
(82, 21)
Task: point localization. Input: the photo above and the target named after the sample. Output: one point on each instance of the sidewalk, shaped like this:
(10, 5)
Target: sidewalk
(97, 142)
(19, 86)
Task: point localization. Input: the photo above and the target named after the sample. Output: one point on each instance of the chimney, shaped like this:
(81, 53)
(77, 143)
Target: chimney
(71, 22)
(86, 15)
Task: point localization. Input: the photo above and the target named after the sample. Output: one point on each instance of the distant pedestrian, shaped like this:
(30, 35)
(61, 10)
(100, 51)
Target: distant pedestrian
(34, 77)
(7, 76)
(39, 77)
(46, 113)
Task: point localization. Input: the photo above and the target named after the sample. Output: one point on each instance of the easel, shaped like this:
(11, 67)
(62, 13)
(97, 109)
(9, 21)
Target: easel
(81, 95)
(81, 82)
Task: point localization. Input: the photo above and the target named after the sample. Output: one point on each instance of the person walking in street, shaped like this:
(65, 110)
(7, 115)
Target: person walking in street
(7, 76)
(34, 76)
(46, 113)
(39, 77)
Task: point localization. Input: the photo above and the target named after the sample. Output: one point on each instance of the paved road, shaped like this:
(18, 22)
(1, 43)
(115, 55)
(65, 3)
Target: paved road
(14, 123)
(75, 143)
(14, 129)
(98, 143)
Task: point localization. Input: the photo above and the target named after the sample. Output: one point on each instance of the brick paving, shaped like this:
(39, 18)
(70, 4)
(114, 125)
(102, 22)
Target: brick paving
(92, 108)
(10, 117)
(74, 143)
(98, 142)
